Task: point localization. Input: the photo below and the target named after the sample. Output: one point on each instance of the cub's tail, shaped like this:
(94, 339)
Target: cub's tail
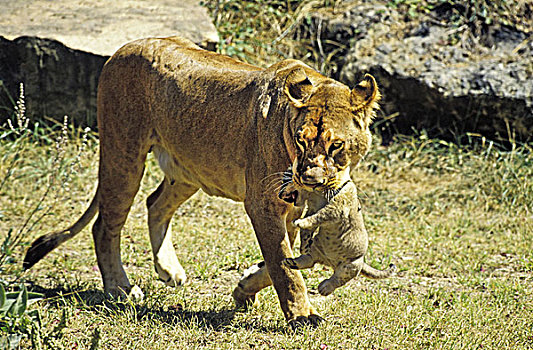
(45, 244)
(370, 272)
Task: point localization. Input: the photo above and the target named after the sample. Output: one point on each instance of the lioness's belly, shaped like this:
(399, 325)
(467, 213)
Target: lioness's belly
(224, 181)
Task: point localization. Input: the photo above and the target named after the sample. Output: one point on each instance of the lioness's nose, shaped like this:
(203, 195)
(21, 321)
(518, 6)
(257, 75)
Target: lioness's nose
(313, 176)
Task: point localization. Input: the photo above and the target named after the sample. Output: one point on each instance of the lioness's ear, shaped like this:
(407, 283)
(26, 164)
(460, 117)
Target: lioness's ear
(297, 87)
(365, 94)
(365, 97)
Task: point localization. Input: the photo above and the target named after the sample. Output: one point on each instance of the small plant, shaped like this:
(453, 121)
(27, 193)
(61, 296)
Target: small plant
(16, 320)
(61, 170)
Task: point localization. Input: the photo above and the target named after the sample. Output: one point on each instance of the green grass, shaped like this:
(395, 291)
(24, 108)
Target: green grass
(457, 221)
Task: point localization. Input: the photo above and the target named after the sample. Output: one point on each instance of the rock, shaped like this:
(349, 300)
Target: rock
(102, 27)
(431, 81)
(57, 48)
(57, 80)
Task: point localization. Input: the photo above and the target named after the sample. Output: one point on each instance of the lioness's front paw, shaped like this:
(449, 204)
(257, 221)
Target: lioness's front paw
(312, 320)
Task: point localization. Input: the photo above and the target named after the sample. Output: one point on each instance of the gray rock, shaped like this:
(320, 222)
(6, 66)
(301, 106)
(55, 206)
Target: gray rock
(57, 48)
(448, 90)
(57, 80)
(102, 27)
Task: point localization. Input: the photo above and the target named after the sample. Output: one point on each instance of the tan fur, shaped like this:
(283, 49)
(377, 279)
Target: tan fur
(341, 241)
(220, 125)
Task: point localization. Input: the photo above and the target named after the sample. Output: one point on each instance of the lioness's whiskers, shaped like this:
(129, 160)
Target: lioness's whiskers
(279, 184)
(274, 180)
(273, 184)
(329, 194)
(271, 175)
(280, 187)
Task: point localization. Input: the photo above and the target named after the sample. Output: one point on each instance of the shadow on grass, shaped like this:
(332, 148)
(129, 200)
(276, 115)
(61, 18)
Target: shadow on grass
(95, 300)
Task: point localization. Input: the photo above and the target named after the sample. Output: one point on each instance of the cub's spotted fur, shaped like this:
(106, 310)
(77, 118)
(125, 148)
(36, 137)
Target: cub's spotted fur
(342, 239)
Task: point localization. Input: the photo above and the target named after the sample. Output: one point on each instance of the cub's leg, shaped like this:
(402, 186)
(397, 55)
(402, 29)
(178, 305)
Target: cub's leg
(342, 275)
(306, 241)
(256, 276)
(161, 206)
(311, 222)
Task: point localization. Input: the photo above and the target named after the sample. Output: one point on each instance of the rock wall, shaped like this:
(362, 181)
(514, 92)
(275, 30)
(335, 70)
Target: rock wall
(57, 48)
(433, 76)
(57, 80)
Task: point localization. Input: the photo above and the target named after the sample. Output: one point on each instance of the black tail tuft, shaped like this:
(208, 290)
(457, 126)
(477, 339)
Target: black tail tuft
(40, 247)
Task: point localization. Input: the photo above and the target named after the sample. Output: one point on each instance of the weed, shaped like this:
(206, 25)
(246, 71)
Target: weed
(18, 139)
(262, 32)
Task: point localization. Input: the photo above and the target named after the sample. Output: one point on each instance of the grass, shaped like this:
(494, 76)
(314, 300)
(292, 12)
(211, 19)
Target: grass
(457, 221)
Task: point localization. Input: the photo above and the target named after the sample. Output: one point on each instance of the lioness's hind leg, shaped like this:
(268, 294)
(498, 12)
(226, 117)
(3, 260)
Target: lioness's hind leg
(118, 184)
(253, 280)
(161, 206)
(126, 135)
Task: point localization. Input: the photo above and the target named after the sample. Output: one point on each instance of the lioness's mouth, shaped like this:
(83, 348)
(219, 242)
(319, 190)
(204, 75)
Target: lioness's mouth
(289, 197)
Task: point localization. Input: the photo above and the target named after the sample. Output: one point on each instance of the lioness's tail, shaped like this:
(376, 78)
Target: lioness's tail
(45, 244)
(370, 272)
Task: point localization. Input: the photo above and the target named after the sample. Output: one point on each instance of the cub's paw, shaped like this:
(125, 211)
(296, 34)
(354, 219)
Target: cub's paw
(326, 287)
(290, 263)
(303, 224)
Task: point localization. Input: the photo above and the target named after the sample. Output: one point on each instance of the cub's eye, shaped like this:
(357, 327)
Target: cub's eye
(335, 147)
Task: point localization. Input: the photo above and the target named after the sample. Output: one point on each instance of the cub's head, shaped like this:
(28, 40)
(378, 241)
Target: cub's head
(328, 130)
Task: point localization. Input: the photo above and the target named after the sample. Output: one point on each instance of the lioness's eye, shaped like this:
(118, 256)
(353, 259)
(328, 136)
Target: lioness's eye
(299, 140)
(335, 146)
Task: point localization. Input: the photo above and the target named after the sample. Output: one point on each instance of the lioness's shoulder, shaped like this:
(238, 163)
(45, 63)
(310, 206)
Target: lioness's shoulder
(175, 50)
(149, 46)
(284, 68)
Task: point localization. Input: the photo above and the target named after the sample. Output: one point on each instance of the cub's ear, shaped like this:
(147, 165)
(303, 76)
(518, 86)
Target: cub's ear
(365, 94)
(297, 87)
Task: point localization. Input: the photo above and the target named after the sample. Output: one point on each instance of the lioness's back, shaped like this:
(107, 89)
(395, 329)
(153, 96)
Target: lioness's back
(174, 52)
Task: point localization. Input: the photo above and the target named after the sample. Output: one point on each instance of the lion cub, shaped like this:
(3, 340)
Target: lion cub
(342, 239)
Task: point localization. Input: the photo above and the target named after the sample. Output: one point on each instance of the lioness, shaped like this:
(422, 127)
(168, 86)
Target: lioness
(223, 126)
(342, 239)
